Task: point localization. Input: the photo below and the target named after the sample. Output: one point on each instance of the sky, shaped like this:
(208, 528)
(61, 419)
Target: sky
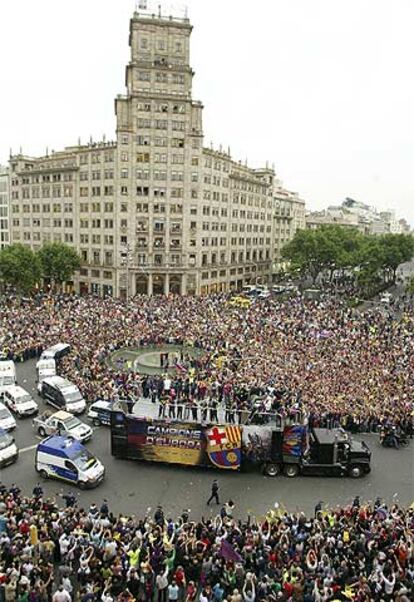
(324, 89)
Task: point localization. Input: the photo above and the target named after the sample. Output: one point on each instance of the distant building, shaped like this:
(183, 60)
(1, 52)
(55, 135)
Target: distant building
(4, 207)
(354, 214)
(156, 211)
(289, 217)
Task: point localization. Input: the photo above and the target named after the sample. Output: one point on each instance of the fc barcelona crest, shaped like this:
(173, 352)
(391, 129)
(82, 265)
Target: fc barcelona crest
(224, 446)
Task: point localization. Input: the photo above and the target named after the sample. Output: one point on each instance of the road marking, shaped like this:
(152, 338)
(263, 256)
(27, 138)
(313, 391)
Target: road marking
(25, 449)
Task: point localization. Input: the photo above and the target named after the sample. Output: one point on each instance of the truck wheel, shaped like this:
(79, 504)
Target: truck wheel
(82, 485)
(355, 471)
(96, 422)
(291, 470)
(43, 474)
(271, 470)
(42, 432)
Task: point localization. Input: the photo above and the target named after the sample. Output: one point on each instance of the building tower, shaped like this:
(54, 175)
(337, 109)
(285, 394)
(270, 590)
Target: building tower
(160, 140)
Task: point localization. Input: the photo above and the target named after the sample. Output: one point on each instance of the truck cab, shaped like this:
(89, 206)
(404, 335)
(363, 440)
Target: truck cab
(317, 451)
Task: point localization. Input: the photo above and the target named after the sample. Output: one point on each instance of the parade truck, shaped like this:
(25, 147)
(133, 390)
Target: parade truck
(281, 446)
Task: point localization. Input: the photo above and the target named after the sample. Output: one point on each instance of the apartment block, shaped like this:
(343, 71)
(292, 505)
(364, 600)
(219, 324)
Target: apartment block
(4, 207)
(154, 211)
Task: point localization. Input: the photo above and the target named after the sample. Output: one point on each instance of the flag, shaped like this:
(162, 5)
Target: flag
(228, 552)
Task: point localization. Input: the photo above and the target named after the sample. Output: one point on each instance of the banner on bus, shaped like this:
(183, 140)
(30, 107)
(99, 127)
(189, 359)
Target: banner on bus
(184, 443)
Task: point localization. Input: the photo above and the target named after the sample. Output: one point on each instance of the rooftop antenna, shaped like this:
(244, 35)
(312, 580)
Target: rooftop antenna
(21, 151)
(79, 140)
(141, 4)
(104, 138)
(10, 152)
(47, 151)
(228, 151)
(159, 11)
(186, 12)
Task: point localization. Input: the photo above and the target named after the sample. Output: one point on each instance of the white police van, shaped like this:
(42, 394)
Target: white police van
(56, 352)
(65, 458)
(7, 373)
(62, 394)
(100, 412)
(45, 368)
(8, 450)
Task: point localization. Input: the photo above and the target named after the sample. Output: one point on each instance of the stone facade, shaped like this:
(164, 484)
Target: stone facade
(4, 207)
(155, 212)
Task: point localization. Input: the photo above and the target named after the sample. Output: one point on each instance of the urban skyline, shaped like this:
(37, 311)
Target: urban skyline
(355, 144)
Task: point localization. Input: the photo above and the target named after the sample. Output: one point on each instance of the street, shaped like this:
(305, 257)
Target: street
(132, 487)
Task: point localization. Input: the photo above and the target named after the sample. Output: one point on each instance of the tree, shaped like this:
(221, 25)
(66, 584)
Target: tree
(19, 267)
(410, 286)
(396, 249)
(58, 262)
(328, 248)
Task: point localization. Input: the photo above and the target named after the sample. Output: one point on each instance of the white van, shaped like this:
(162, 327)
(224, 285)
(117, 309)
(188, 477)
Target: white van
(19, 401)
(45, 368)
(62, 394)
(7, 421)
(66, 459)
(8, 450)
(7, 373)
(56, 352)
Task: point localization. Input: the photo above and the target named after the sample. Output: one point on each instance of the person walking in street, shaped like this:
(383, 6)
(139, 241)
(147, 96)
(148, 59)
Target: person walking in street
(214, 493)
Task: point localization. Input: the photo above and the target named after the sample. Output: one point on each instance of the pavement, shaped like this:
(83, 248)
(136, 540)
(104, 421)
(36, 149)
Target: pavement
(132, 487)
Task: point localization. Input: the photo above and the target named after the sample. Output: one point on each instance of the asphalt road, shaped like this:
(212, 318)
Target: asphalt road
(132, 487)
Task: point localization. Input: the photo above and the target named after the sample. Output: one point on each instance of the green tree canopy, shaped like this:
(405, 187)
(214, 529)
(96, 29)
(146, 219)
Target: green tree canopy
(58, 261)
(19, 267)
(332, 247)
(328, 247)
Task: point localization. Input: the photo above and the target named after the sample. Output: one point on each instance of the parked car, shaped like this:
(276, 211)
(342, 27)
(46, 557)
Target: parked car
(62, 423)
(7, 421)
(8, 450)
(240, 302)
(19, 401)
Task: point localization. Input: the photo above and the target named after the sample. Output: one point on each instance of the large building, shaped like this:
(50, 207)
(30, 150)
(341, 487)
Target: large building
(4, 207)
(155, 211)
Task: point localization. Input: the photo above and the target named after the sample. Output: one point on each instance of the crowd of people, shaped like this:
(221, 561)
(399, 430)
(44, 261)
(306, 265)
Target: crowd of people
(342, 366)
(49, 553)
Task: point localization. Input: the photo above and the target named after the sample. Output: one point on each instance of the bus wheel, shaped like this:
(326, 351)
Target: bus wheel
(291, 470)
(43, 474)
(271, 470)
